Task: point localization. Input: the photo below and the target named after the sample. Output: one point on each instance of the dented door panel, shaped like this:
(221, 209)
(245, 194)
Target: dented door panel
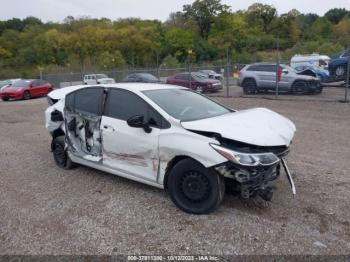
(130, 150)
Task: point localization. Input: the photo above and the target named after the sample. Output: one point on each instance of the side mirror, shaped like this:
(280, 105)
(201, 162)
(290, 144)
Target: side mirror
(138, 122)
(285, 71)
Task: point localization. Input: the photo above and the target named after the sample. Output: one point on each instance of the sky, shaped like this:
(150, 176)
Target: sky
(57, 10)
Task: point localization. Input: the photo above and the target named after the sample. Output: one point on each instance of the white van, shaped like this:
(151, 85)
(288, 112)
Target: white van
(94, 79)
(313, 59)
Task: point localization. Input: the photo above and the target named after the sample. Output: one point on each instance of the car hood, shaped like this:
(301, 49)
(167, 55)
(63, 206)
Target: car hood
(9, 89)
(259, 126)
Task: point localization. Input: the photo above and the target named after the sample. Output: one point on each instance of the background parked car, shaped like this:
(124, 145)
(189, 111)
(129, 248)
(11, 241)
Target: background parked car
(7, 82)
(313, 59)
(312, 70)
(26, 89)
(211, 74)
(195, 81)
(94, 79)
(338, 65)
(262, 77)
(141, 78)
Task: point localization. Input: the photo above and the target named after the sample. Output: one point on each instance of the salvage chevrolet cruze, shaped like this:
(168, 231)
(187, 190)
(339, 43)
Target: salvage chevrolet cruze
(170, 137)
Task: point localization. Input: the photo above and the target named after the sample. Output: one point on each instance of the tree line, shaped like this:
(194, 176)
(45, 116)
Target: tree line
(204, 32)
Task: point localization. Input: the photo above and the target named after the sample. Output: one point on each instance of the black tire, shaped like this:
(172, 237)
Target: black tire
(299, 87)
(26, 95)
(249, 86)
(340, 72)
(5, 99)
(60, 154)
(194, 188)
(199, 89)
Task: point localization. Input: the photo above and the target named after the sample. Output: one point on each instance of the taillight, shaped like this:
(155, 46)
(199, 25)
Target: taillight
(279, 74)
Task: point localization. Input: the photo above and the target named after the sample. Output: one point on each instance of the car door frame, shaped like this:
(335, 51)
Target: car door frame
(140, 164)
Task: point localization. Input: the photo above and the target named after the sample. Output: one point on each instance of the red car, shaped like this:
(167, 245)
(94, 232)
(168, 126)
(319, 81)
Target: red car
(25, 89)
(195, 81)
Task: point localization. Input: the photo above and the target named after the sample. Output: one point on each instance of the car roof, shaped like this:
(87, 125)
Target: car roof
(134, 87)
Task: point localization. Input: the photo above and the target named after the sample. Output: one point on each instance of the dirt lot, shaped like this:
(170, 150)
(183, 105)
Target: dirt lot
(46, 210)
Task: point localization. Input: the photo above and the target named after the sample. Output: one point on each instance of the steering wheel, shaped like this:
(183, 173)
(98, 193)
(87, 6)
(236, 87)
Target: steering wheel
(188, 108)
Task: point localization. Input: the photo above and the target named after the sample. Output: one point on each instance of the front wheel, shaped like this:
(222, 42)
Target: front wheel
(340, 72)
(26, 95)
(195, 189)
(299, 88)
(5, 99)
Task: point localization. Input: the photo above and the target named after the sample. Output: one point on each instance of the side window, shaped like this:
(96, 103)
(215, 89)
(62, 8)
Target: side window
(253, 68)
(35, 83)
(123, 104)
(85, 101)
(93, 77)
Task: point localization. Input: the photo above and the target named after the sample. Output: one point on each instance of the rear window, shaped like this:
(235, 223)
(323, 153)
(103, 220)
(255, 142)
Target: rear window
(85, 101)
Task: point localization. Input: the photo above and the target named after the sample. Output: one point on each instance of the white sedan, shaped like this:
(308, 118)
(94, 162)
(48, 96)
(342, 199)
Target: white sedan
(170, 137)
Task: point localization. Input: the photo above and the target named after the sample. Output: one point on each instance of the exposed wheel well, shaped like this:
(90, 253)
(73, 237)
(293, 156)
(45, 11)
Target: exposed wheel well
(56, 133)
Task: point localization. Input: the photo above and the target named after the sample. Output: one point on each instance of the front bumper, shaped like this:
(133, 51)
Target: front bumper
(4, 95)
(250, 182)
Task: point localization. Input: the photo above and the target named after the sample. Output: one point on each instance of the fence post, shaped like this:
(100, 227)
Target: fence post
(347, 85)
(227, 73)
(277, 66)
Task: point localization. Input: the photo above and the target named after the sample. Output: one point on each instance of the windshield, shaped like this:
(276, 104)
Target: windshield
(99, 76)
(185, 105)
(199, 77)
(21, 83)
(5, 83)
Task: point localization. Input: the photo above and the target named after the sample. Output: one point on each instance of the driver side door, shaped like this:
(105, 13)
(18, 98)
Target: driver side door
(127, 149)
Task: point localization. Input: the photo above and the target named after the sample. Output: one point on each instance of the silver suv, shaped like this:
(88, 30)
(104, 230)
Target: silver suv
(261, 77)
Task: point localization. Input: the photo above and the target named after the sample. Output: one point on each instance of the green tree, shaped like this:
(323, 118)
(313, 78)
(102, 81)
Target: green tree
(204, 12)
(261, 14)
(335, 15)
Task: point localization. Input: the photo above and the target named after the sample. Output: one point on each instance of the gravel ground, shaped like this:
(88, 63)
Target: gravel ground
(47, 210)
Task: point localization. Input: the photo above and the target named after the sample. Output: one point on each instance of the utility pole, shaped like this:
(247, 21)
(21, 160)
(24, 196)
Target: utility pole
(277, 65)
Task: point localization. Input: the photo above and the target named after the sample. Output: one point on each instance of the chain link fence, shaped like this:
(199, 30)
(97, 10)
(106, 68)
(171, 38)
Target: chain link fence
(230, 73)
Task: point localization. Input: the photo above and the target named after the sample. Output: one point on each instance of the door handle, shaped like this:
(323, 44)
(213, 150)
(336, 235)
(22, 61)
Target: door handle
(108, 127)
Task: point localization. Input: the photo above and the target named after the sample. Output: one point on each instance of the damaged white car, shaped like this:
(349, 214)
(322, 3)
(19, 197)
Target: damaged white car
(170, 137)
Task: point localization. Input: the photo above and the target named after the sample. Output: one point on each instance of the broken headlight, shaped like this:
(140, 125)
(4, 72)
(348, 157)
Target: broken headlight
(246, 159)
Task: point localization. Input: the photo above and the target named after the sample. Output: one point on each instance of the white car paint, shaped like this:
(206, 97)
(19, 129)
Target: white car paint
(132, 153)
(259, 126)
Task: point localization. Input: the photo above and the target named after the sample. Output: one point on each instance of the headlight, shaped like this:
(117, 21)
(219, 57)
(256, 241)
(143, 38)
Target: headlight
(244, 159)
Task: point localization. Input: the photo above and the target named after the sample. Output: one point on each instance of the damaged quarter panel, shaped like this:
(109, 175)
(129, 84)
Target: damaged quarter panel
(179, 142)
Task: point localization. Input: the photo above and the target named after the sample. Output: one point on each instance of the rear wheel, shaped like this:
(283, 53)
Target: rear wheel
(60, 154)
(195, 189)
(299, 87)
(26, 95)
(199, 89)
(5, 99)
(249, 86)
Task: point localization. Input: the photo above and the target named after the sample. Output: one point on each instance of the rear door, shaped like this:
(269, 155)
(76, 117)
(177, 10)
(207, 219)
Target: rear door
(128, 149)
